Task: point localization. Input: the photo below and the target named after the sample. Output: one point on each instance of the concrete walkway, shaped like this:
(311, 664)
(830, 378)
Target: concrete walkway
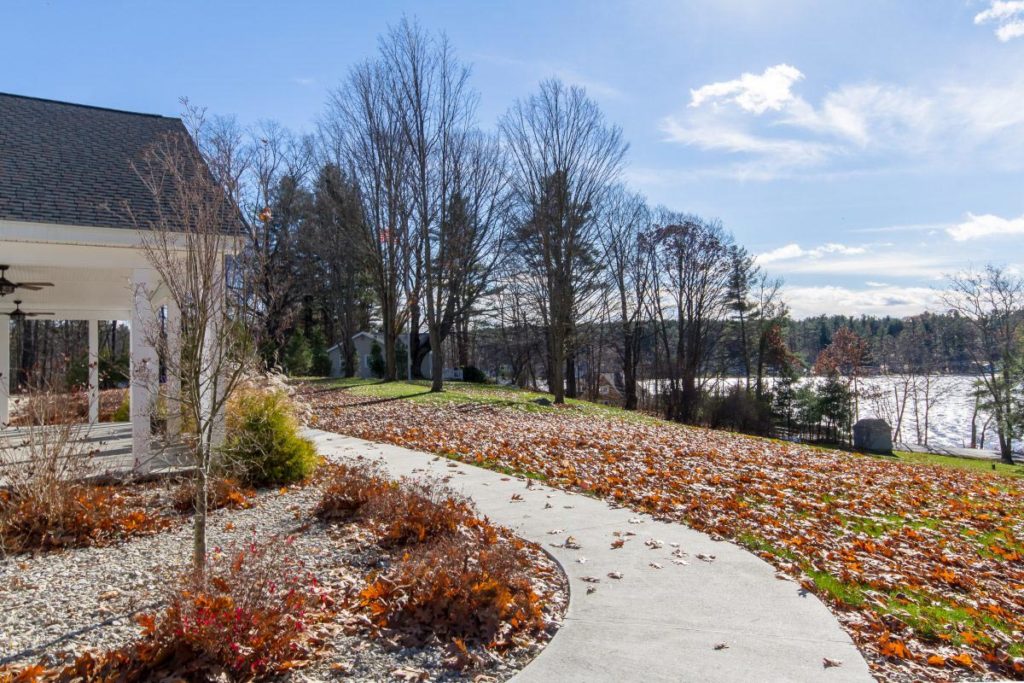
(652, 624)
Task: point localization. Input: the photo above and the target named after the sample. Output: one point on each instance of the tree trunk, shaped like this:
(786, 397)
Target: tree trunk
(436, 361)
(414, 341)
(556, 368)
(462, 341)
(199, 521)
(629, 372)
(570, 375)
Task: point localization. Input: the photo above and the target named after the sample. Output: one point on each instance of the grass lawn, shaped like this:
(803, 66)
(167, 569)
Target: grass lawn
(981, 466)
(418, 391)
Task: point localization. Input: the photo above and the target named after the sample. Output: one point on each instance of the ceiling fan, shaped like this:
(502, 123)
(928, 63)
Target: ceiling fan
(18, 314)
(8, 287)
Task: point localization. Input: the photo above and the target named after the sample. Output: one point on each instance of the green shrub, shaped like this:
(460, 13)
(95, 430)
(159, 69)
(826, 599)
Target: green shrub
(124, 411)
(471, 373)
(321, 361)
(263, 442)
(377, 364)
(298, 357)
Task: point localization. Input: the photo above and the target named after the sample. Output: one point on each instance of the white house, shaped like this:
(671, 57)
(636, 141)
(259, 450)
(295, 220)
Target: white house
(70, 248)
(364, 342)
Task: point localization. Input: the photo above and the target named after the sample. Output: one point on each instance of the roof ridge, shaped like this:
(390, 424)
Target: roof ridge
(88, 106)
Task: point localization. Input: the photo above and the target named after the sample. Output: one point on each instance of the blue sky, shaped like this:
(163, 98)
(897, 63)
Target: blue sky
(862, 149)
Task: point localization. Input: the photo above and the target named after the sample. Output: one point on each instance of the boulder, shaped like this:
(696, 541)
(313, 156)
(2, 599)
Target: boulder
(874, 435)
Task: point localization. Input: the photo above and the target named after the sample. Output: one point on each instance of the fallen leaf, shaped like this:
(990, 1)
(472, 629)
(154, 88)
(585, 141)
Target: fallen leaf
(830, 663)
(963, 659)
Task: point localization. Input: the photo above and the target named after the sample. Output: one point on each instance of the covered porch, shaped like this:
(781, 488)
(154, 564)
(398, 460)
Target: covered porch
(97, 274)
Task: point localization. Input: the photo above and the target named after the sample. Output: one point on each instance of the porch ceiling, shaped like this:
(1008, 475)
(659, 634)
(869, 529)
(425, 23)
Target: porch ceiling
(101, 293)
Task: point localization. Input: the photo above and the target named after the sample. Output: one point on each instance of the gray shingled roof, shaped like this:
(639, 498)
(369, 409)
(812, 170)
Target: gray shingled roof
(71, 164)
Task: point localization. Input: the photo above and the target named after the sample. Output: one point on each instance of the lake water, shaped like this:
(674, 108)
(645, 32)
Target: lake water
(950, 407)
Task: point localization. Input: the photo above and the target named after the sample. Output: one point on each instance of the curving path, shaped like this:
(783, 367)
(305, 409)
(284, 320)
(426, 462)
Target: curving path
(653, 624)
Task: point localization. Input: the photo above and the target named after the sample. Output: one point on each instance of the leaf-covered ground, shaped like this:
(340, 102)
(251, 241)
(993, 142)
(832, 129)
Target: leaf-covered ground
(924, 565)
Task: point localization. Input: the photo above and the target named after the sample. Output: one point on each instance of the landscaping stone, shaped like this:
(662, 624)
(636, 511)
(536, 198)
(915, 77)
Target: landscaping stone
(873, 435)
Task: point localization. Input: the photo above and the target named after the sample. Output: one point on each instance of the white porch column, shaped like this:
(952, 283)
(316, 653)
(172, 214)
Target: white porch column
(173, 363)
(5, 370)
(94, 372)
(145, 366)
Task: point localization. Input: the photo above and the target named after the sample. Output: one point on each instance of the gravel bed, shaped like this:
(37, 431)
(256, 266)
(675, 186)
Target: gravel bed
(59, 604)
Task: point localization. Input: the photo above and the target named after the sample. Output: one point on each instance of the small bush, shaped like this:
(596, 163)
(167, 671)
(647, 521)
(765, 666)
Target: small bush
(263, 443)
(399, 513)
(224, 492)
(45, 502)
(85, 515)
(251, 613)
(738, 410)
(124, 410)
(473, 586)
(250, 618)
(348, 488)
(414, 512)
(473, 374)
(456, 576)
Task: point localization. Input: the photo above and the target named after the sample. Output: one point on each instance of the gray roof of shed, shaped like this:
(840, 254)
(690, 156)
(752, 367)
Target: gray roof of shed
(71, 164)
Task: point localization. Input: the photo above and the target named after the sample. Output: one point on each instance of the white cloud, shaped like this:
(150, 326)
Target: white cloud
(1008, 15)
(795, 251)
(867, 261)
(752, 92)
(712, 136)
(985, 225)
(876, 300)
(774, 132)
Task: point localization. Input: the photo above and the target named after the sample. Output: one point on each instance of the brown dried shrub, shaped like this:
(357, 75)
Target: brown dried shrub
(347, 488)
(249, 618)
(225, 492)
(473, 587)
(46, 501)
(399, 513)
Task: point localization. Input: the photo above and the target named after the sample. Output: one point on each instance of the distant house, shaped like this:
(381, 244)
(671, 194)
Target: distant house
(610, 386)
(364, 342)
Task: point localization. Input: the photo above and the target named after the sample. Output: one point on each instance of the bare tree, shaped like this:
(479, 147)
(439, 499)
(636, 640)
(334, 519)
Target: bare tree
(693, 272)
(264, 170)
(363, 132)
(625, 220)
(563, 157)
(992, 301)
(194, 230)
